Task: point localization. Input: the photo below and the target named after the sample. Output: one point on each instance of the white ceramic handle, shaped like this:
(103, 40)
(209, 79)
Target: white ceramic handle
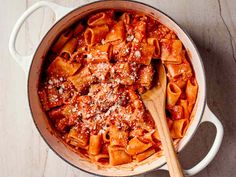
(25, 61)
(208, 116)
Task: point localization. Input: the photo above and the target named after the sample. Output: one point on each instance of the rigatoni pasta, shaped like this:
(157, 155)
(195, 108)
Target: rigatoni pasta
(62, 40)
(95, 35)
(68, 49)
(91, 88)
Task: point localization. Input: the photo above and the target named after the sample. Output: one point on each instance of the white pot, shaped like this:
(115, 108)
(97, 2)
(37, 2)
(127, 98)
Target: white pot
(32, 67)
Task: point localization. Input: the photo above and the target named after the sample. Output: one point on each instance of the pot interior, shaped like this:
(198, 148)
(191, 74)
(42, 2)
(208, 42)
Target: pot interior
(40, 118)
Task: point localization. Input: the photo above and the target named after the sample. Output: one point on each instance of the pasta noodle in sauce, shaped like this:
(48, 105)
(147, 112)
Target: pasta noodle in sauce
(91, 89)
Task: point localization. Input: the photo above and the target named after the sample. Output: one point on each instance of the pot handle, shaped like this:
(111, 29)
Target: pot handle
(208, 116)
(25, 61)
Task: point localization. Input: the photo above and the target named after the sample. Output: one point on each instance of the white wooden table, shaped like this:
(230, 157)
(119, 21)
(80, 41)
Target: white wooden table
(211, 24)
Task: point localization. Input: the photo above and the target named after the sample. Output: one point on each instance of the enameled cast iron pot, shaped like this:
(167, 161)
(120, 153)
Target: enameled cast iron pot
(65, 17)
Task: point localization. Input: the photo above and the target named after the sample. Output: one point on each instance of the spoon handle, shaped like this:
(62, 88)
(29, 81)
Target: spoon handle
(174, 166)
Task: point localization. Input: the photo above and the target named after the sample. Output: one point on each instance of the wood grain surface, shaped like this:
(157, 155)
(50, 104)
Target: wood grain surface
(211, 24)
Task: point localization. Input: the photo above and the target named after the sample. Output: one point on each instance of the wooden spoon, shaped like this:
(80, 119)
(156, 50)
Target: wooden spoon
(154, 101)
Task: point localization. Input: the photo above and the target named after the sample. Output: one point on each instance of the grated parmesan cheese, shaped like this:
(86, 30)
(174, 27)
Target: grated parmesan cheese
(74, 110)
(129, 38)
(50, 82)
(103, 41)
(121, 66)
(137, 54)
(136, 40)
(60, 91)
(89, 55)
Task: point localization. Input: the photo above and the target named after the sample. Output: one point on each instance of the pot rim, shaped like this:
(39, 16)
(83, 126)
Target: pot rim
(132, 1)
